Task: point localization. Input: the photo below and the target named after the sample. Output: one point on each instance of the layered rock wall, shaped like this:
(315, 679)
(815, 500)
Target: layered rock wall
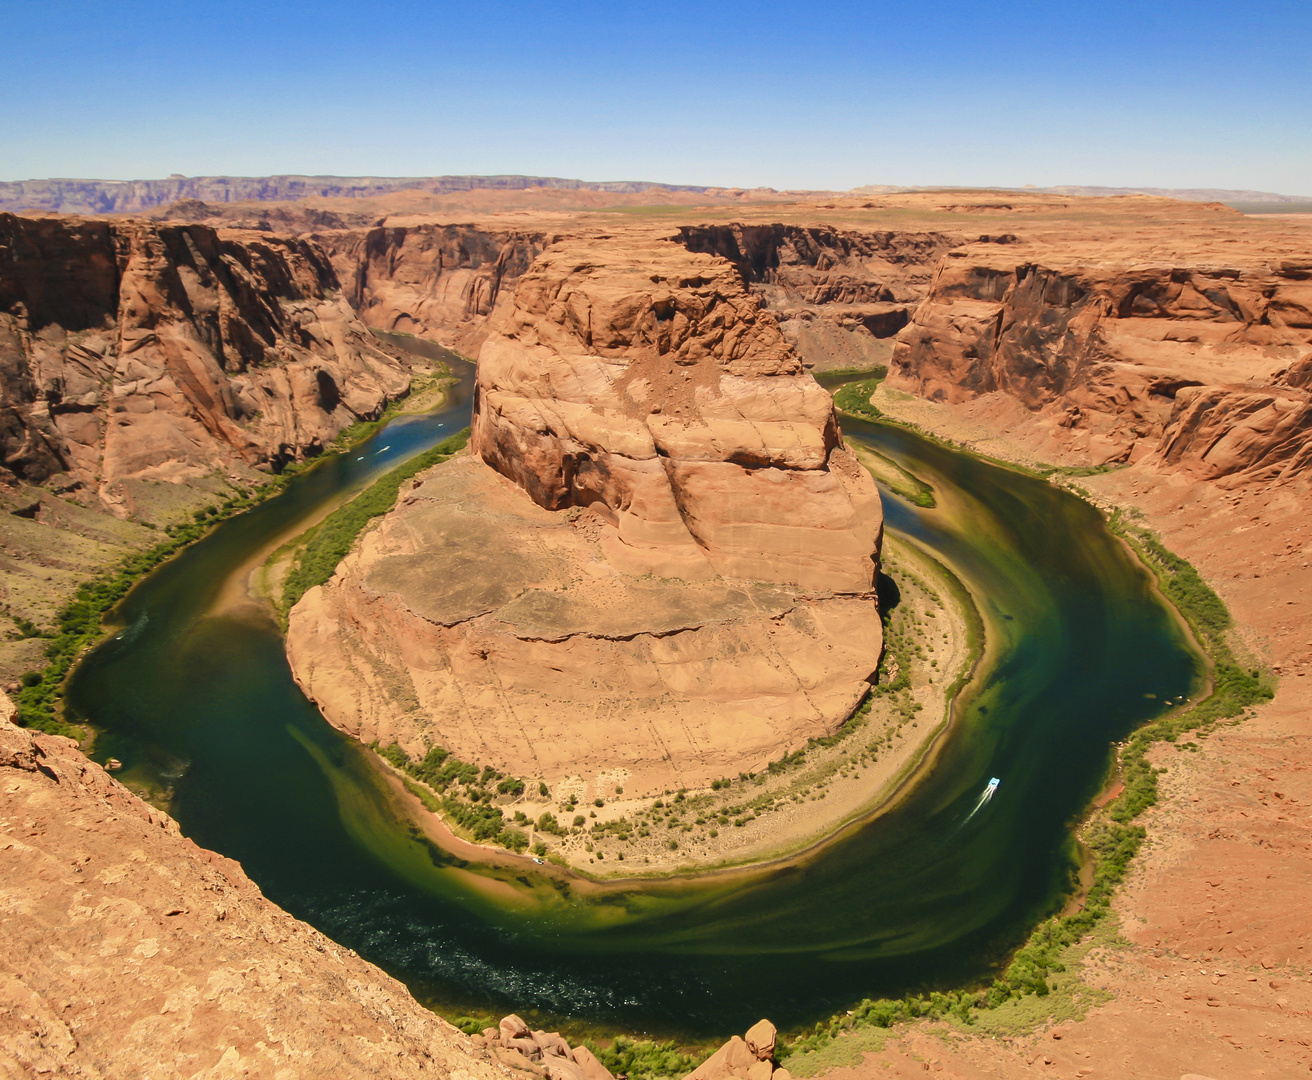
(436, 281)
(839, 295)
(648, 382)
(132, 350)
(1203, 365)
(665, 577)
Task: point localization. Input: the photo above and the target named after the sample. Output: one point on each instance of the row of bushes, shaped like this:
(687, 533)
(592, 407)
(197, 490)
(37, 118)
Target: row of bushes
(1112, 838)
(473, 809)
(327, 543)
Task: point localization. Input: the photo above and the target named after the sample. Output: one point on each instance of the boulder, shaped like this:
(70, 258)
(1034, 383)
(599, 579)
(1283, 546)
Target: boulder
(561, 1068)
(750, 1058)
(551, 1043)
(761, 1039)
(587, 1061)
(512, 1027)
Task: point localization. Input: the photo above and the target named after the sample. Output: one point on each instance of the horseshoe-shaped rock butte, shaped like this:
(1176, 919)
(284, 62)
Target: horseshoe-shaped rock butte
(657, 565)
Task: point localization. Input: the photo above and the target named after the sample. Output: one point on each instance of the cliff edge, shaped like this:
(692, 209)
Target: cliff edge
(129, 951)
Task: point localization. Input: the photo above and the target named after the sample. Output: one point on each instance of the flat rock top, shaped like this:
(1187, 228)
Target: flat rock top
(468, 543)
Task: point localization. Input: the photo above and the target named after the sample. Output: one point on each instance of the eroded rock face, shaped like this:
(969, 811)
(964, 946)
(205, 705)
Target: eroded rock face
(136, 351)
(130, 951)
(645, 381)
(441, 282)
(473, 619)
(839, 295)
(1204, 366)
(669, 576)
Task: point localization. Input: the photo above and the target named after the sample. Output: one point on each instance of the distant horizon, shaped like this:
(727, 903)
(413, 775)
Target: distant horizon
(1062, 188)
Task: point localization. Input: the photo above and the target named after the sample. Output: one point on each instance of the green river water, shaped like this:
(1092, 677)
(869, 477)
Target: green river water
(1083, 651)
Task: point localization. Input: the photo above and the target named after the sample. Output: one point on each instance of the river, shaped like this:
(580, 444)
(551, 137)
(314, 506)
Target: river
(204, 706)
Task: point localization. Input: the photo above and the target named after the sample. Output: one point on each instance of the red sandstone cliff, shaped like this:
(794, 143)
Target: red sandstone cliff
(648, 382)
(436, 281)
(839, 294)
(1204, 366)
(134, 351)
(670, 581)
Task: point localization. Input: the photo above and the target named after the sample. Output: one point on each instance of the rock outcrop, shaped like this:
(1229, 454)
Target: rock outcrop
(748, 1058)
(131, 351)
(670, 581)
(541, 1053)
(645, 382)
(1205, 366)
(129, 951)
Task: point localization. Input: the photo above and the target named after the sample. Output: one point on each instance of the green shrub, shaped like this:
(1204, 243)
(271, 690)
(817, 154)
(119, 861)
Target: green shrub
(854, 398)
(644, 1060)
(327, 544)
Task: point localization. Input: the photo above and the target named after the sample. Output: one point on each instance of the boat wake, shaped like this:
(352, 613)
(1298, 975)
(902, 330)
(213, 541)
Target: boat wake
(985, 797)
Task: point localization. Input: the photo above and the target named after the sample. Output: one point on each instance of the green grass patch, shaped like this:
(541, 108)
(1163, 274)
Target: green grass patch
(833, 380)
(644, 1059)
(854, 398)
(328, 542)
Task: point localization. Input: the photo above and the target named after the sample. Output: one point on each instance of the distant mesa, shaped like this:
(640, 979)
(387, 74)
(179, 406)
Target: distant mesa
(72, 196)
(90, 196)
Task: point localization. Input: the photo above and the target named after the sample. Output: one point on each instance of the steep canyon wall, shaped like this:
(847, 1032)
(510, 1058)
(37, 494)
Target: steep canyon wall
(839, 295)
(441, 282)
(1205, 367)
(133, 351)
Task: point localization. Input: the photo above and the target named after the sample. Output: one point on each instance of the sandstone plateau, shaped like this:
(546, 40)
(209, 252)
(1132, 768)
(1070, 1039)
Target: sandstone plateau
(665, 576)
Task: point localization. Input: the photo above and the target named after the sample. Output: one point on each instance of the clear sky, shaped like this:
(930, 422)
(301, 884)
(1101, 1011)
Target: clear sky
(818, 94)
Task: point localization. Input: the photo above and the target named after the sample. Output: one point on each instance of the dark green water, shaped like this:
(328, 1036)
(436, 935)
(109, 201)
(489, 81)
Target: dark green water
(918, 897)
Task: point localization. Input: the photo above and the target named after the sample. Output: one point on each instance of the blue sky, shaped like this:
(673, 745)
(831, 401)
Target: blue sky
(819, 95)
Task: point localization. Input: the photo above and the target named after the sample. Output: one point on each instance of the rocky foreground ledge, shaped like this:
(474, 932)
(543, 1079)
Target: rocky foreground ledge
(128, 951)
(548, 1054)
